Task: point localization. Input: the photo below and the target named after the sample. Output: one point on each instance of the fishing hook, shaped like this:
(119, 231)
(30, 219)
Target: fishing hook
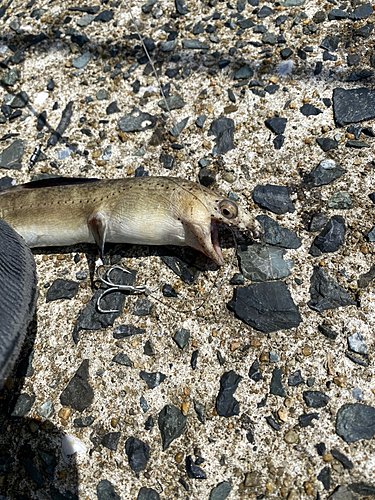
(115, 287)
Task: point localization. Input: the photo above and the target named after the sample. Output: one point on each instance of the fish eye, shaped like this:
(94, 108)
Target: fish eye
(228, 209)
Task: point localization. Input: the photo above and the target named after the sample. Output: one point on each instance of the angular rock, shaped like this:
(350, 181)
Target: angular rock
(265, 11)
(365, 279)
(315, 399)
(331, 238)
(105, 16)
(223, 130)
(23, 405)
(326, 293)
(310, 110)
(179, 127)
(82, 61)
(274, 234)
(346, 463)
(244, 72)
(324, 477)
(78, 394)
(327, 144)
(362, 12)
(317, 222)
(194, 45)
(186, 271)
(363, 489)
(273, 198)
(263, 263)
(327, 332)
(355, 421)
(62, 289)
(353, 106)
(174, 102)
(142, 307)
(171, 424)
(152, 379)
(255, 373)
(330, 43)
(122, 359)
(326, 172)
(342, 493)
(226, 405)
(267, 307)
(295, 379)
(340, 200)
(357, 344)
(11, 157)
(276, 386)
(138, 454)
(192, 470)
(181, 337)
(106, 491)
(111, 440)
(136, 121)
(148, 494)
(66, 116)
(306, 419)
(276, 125)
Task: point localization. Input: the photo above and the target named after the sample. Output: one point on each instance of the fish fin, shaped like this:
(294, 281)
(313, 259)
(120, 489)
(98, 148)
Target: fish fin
(98, 226)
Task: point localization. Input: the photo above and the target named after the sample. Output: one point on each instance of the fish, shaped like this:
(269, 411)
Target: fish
(138, 210)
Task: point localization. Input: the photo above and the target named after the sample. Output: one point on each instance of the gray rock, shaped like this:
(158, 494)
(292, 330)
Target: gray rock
(171, 424)
(122, 359)
(221, 491)
(148, 494)
(81, 61)
(365, 279)
(353, 106)
(66, 116)
(363, 489)
(357, 344)
(194, 45)
(326, 143)
(326, 172)
(276, 125)
(192, 470)
(226, 405)
(125, 331)
(200, 410)
(255, 373)
(62, 289)
(263, 263)
(11, 157)
(362, 12)
(105, 16)
(105, 490)
(276, 385)
(340, 200)
(181, 337)
(326, 293)
(315, 399)
(143, 307)
(346, 463)
(173, 101)
(357, 144)
(82, 422)
(181, 7)
(273, 198)
(86, 20)
(223, 130)
(112, 108)
(168, 46)
(310, 110)
(243, 73)
(274, 234)
(138, 454)
(267, 306)
(179, 127)
(264, 12)
(152, 380)
(78, 394)
(355, 421)
(167, 161)
(23, 405)
(371, 234)
(111, 440)
(19, 100)
(269, 38)
(328, 332)
(331, 238)
(330, 43)
(337, 14)
(295, 379)
(342, 493)
(136, 121)
(45, 410)
(317, 222)
(10, 78)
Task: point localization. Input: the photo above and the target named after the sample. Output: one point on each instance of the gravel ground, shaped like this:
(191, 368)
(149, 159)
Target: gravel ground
(267, 389)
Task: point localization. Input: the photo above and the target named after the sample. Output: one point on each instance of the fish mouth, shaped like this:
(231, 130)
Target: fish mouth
(215, 244)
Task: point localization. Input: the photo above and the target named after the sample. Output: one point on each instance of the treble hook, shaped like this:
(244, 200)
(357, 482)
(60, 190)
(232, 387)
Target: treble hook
(115, 287)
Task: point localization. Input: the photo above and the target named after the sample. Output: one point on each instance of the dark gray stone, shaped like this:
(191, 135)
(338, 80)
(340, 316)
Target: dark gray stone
(136, 121)
(122, 359)
(274, 234)
(149, 349)
(179, 127)
(148, 494)
(362, 12)
(221, 491)
(337, 15)
(357, 144)
(82, 422)
(276, 125)
(192, 470)
(327, 143)
(181, 337)
(273, 198)
(255, 373)
(112, 108)
(181, 7)
(19, 100)
(82, 61)
(355, 421)
(342, 493)
(66, 116)
(327, 332)
(264, 12)
(62, 289)
(138, 454)
(306, 419)
(78, 394)
(173, 101)
(326, 172)
(310, 110)
(167, 161)
(200, 410)
(365, 279)
(269, 38)
(331, 238)
(355, 76)
(263, 263)
(223, 130)
(10, 78)
(226, 405)
(243, 73)
(295, 379)
(363, 489)
(106, 491)
(194, 45)
(152, 379)
(326, 293)
(267, 306)
(346, 463)
(276, 385)
(353, 106)
(364, 31)
(330, 43)
(124, 331)
(11, 157)
(143, 307)
(111, 440)
(200, 121)
(317, 222)
(315, 399)
(23, 405)
(324, 477)
(340, 200)
(171, 424)
(105, 16)
(352, 59)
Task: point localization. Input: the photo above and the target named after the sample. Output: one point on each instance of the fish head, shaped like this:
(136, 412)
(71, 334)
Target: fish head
(203, 212)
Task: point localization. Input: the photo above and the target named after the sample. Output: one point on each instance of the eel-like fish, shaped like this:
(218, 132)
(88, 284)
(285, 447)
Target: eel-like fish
(144, 210)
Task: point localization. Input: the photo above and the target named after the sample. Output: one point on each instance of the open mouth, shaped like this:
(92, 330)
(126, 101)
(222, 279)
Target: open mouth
(215, 242)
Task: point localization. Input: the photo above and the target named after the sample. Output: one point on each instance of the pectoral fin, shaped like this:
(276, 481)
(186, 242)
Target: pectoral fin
(98, 225)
